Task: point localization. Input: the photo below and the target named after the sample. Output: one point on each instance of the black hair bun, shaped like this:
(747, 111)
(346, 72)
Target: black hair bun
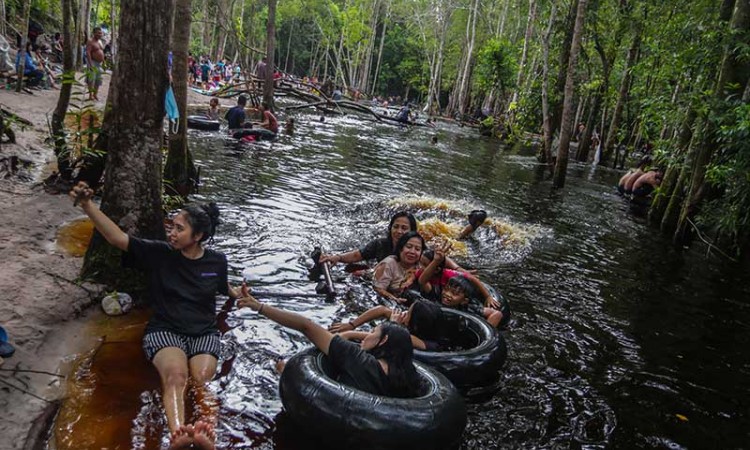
(213, 212)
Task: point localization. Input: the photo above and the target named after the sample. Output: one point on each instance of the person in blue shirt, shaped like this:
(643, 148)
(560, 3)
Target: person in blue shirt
(30, 70)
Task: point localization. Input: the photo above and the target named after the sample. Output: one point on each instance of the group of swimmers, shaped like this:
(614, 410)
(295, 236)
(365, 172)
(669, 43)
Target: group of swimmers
(183, 342)
(640, 181)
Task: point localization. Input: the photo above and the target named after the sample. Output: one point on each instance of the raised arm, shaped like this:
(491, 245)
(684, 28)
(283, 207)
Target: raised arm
(482, 291)
(318, 335)
(371, 314)
(111, 232)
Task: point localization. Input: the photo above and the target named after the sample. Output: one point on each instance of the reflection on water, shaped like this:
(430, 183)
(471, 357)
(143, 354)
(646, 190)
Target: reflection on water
(618, 340)
(73, 237)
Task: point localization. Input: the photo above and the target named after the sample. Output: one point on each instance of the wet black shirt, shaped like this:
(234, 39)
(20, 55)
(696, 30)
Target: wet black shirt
(377, 249)
(236, 117)
(183, 291)
(357, 368)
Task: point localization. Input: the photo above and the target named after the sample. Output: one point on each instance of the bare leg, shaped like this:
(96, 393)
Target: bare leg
(172, 365)
(202, 370)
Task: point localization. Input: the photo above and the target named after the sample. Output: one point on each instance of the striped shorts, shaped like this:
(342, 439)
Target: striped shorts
(192, 345)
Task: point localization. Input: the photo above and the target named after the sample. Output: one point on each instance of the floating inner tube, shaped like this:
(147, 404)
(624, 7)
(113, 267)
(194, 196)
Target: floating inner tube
(260, 134)
(504, 306)
(345, 417)
(202, 123)
(480, 351)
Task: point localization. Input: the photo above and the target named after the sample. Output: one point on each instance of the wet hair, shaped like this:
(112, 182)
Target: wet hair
(242, 100)
(398, 352)
(96, 29)
(203, 218)
(265, 106)
(426, 319)
(409, 217)
(402, 243)
(461, 283)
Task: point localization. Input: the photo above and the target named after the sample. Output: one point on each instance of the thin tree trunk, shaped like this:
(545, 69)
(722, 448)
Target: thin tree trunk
(524, 53)
(463, 92)
(561, 165)
(288, 47)
(270, 52)
(609, 143)
(380, 50)
(113, 29)
(24, 39)
(556, 108)
(132, 188)
(179, 169)
(545, 155)
(58, 116)
(3, 14)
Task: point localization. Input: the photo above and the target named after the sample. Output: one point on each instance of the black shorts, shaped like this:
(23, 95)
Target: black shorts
(643, 191)
(192, 345)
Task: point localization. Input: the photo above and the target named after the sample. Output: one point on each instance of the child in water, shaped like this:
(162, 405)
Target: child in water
(455, 290)
(213, 109)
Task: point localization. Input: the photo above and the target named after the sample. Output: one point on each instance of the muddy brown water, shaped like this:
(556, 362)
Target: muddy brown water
(618, 339)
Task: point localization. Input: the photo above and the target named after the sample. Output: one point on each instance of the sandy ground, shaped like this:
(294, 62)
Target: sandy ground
(42, 306)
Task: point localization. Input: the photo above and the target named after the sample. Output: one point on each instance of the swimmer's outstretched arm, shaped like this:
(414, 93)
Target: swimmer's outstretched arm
(348, 257)
(371, 314)
(111, 232)
(318, 335)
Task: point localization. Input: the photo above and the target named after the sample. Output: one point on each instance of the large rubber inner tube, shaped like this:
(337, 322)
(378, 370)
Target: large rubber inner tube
(260, 134)
(504, 305)
(477, 353)
(202, 123)
(342, 416)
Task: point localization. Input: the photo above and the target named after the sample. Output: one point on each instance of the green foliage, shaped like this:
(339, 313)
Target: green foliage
(495, 67)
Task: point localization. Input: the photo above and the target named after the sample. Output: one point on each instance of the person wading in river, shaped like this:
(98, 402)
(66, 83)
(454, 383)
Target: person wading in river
(181, 339)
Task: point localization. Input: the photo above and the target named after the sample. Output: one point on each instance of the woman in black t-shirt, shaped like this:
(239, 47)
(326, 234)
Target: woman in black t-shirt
(181, 338)
(381, 364)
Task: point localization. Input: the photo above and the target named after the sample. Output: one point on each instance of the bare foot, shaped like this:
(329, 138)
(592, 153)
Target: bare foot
(204, 436)
(181, 438)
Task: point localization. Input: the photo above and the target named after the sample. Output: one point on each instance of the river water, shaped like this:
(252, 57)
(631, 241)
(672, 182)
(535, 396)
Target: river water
(617, 340)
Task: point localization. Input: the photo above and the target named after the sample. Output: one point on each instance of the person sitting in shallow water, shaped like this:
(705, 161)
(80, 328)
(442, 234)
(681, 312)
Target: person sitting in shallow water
(625, 185)
(382, 364)
(213, 109)
(646, 183)
(458, 293)
(182, 339)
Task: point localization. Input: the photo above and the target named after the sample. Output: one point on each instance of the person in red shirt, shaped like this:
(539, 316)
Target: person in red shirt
(270, 122)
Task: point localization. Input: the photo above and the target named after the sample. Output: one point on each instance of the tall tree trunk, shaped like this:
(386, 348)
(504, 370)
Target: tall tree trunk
(24, 39)
(564, 57)
(380, 50)
(524, 53)
(668, 186)
(179, 169)
(561, 165)
(113, 29)
(545, 154)
(609, 143)
(463, 92)
(132, 187)
(270, 52)
(3, 15)
(58, 116)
